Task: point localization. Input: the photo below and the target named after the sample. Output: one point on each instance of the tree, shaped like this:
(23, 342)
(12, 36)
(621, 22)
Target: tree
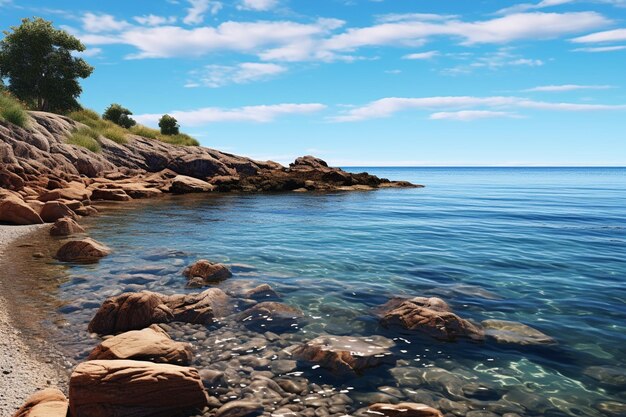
(119, 115)
(41, 70)
(168, 125)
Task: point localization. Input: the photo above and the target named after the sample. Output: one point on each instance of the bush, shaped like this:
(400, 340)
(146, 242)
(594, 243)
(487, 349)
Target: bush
(169, 125)
(12, 110)
(85, 137)
(119, 115)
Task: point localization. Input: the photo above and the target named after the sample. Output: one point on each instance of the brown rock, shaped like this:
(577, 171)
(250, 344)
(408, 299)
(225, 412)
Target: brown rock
(75, 192)
(15, 211)
(85, 250)
(240, 408)
(182, 184)
(345, 354)
(309, 162)
(49, 402)
(402, 410)
(201, 308)
(86, 211)
(431, 316)
(126, 388)
(110, 194)
(130, 311)
(272, 316)
(152, 344)
(65, 227)
(511, 332)
(262, 292)
(136, 190)
(55, 210)
(210, 272)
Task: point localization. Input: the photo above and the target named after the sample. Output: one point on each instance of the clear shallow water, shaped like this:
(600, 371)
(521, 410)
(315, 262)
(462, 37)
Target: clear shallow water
(541, 246)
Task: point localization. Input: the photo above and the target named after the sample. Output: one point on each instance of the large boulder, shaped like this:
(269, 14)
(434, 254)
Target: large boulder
(15, 211)
(309, 162)
(271, 315)
(49, 402)
(152, 344)
(182, 184)
(208, 272)
(85, 250)
(130, 311)
(55, 210)
(76, 191)
(126, 388)
(431, 316)
(65, 227)
(107, 194)
(402, 410)
(345, 354)
(202, 308)
(512, 332)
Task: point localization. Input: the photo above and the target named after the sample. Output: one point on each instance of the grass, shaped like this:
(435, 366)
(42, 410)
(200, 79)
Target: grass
(102, 127)
(12, 111)
(85, 137)
(145, 131)
(181, 139)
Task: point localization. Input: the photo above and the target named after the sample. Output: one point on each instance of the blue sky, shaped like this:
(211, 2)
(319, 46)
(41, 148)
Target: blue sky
(364, 82)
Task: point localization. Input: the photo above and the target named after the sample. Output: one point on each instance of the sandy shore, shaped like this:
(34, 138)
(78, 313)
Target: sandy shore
(21, 373)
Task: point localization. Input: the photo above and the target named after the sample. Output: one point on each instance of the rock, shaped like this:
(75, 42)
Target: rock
(110, 194)
(210, 272)
(55, 210)
(75, 192)
(431, 316)
(201, 308)
(270, 315)
(607, 375)
(611, 408)
(182, 184)
(65, 227)
(15, 211)
(84, 250)
(345, 354)
(212, 378)
(511, 332)
(240, 408)
(130, 311)
(262, 292)
(151, 344)
(308, 162)
(49, 402)
(402, 410)
(126, 388)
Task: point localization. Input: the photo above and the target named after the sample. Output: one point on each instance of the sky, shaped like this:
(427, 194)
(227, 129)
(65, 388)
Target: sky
(364, 82)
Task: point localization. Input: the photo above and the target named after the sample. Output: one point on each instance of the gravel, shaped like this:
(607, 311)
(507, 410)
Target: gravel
(21, 373)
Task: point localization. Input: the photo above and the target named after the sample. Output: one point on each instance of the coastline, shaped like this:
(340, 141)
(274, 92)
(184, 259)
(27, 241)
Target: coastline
(21, 371)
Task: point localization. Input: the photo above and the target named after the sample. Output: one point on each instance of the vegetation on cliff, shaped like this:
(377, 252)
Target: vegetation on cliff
(11, 110)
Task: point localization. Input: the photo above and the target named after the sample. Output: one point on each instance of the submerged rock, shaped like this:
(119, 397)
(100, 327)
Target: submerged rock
(152, 344)
(210, 272)
(607, 375)
(401, 410)
(126, 388)
(65, 227)
(202, 308)
(431, 316)
(84, 250)
(511, 332)
(345, 354)
(49, 402)
(611, 408)
(272, 316)
(240, 408)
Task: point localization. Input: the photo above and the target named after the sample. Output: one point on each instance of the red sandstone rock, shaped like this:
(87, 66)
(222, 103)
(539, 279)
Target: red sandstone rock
(210, 272)
(402, 410)
(182, 184)
(49, 402)
(15, 211)
(55, 210)
(65, 227)
(84, 250)
(109, 194)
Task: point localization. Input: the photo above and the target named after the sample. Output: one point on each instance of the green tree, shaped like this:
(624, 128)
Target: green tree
(119, 115)
(168, 125)
(41, 70)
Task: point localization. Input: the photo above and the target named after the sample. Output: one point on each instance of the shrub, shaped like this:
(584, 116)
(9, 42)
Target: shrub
(12, 110)
(119, 115)
(85, 137)
(145, 131)
(169, 125)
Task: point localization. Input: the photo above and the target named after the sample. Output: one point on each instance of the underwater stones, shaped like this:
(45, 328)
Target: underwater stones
(511, 332)
(607, 375)
(65, 227)
(49, 402)
(270, 315)
(212, 378)
(345, 354)
(127, 388)
(402, 410)
(431, 316)
(202, 308)
(240, 408)
(55, 210)
(261, 292)
(209, 272)
(152, 344)
(611, 408)
(130, 311)
(84, 250)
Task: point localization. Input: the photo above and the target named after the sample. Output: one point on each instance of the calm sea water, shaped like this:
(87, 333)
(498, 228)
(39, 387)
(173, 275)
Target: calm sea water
(542, 246)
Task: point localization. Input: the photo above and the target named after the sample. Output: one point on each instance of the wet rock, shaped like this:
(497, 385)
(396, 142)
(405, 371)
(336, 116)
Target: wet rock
(210, 272)
(212, 378)
(126, 388)
(283, 366)
(49, 402)
(240, 408)
(431, 316)
(402, 410)
(481, 413)
(345, 354)
(293, 385)
(84, 250)
(15, 211)
(107, 194)
(262, 292)
(611, 408)
(130, 311)
(151, 344)
(65, 227)
(182, 184)
(511, 332)
(55, 210)
(607, 375)
(202, 308)
(481, 392)
(271, 316)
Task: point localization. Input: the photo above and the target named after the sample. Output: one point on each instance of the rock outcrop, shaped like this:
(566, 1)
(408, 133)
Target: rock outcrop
(84, 251)
(49, 402)
(204, 272)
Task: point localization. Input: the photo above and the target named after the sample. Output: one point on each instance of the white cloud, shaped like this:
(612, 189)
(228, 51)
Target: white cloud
(97, 23)
(422, 55)
(567, 87)
(154, 20)
(388, 106)
(406, 17)
(469, 115)
(259, 5)
(259, 114)
(523, 7)
(615, 35)
(503, 57)
(601, 48)
(220, 75)
(198, 8)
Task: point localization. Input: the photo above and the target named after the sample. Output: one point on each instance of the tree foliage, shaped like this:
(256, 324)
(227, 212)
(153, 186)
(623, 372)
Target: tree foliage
(169, 125)
(41, 70)
(119, 115)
